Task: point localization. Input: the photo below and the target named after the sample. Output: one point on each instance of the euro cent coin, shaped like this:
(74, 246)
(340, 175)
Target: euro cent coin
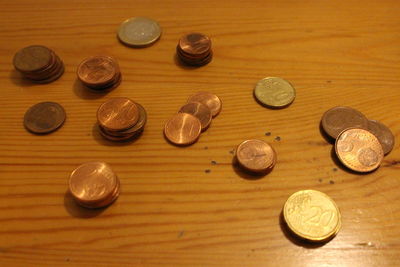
(312, 215)
(274, 92)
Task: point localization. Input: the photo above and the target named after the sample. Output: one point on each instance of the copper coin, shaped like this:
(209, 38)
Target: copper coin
(93, 183)
(97, 70)
(210, 100)
(106, 202)
(131, 132)
(43, 71)
(256, 156)
(359, 150)
(44, 117)
(32, 58)
(198, 61)
(200, 111)
(117, 114)
(195, 43)
(383, 133)
(182, 129)
(337, 119)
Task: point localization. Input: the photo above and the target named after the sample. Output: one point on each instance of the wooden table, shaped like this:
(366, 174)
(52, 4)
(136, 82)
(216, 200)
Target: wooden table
(177, 206)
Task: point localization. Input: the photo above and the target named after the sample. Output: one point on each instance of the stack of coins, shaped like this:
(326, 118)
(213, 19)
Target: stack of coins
(121, 119)
(312, 215)
(39, 64)
(195, 116)
(360, 143)
(44, 117)
(94, 185)
(194, 49)
(99, 73)
(274, 92)
(139, 32)
(256, 156)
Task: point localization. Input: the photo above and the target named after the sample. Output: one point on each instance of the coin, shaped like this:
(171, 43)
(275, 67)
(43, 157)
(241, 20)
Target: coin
(274, 92)
(117, 114)
(130, 133)
(99, 72)
(337, 119)
(94, 184)
(195, 44)
(210, 100)
(194, 49)
(182, 129)
(383, 133)
(139, 31)
(359, 150)
(32, 58)
(200, 111)
(44, 117)
(256, 156)
(39, 64)
(312, 215)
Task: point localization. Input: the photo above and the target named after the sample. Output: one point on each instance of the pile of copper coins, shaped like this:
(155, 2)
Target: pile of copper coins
(195, 116)
(121, 119)
(256, 156)
(94, 185)
(360, 143)
(38, 63)
(194, 49)
(99, 73)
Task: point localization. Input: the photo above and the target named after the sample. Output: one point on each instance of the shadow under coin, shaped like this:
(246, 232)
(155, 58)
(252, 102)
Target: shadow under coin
(244, 173)
(105, 142)
(327, 138)
(78, 211)
(17, 79)
(340, 165)
(296, 240)
(84, 92)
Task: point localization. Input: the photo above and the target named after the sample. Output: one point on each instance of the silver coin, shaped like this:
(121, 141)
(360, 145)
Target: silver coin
(139, 32)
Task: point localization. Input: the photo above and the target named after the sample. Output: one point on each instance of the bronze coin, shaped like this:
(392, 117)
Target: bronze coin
(195, 43)
(182, 129)
(117, 114)
(256, 156)
(337, 119)
(44, 117)
(200, 111)
(359, 150)
(198, 61)
(106, 202)
(97, 70)
(210, 100)
(93, 183)
(383, 133)
(32, 58)
(131, 132)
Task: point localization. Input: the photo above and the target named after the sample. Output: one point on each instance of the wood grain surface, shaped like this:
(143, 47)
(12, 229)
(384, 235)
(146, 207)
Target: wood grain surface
(190, 206)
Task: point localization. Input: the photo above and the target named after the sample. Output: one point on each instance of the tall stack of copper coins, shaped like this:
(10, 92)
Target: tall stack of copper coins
(194, 49)
(195, 116)
(38, 63)
(360, 143)
(94, 185)
(121, 119)
(99, 73)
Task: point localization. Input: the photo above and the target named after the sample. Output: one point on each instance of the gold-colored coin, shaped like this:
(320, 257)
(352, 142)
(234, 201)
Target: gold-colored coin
(274, 92)
(312, 215)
